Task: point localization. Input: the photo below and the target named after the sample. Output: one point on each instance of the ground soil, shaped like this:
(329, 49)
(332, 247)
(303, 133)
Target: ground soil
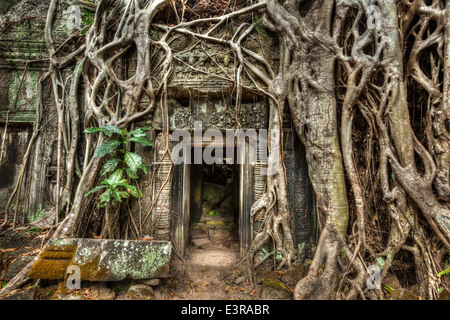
(210, 269)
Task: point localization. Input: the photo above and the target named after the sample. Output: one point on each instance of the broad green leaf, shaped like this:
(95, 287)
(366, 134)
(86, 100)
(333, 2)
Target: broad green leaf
(109, 130)
(133, 160)
(144, 168)
(137, 133)
(108, 195)
(140, 132)
(107, 147)
(93, 130)
(105, 196)
(101, 204)
(134, 192)
(116, 195)
(444, 272)
(124, 194)
(141, 140)
(124, 184)
(109, 166)
(94, 190)
(131, 190)
(115, 177)
(132, 174)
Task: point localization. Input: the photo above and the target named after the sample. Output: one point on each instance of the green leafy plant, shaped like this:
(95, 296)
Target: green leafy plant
(259, 26)
(122, 166)
(33, 216)
(87, 19)
(279, 255)
(440, 274)
(34, 230)
(213, 213)
(388, 288)
(154, 33)
(125, 287)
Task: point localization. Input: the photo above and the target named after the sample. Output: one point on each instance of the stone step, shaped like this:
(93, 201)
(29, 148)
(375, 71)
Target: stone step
(199, 242)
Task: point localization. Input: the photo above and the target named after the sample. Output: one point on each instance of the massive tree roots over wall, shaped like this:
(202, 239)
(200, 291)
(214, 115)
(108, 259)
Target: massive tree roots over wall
(367, 84)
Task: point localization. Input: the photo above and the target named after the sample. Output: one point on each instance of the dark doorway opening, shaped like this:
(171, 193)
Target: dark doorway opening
(214, 204)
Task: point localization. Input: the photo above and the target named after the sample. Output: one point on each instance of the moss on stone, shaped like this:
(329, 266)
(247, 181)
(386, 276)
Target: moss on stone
(53, 269)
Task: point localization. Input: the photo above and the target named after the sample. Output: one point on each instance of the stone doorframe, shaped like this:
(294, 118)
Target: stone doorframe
(180, 198)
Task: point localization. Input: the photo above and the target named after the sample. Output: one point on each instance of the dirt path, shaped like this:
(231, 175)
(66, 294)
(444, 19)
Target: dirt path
(209, 271)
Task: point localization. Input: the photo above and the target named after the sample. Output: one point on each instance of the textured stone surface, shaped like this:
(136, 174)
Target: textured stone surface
(23, 60)
(299, 192)
(444, 295)
(15, 267)
(392, 281)
(151, 282)
(27, 294)
(239, 280)
(402, 294)
(103, 260)
(213, 115)
(101, 291)
(208, 79)
(69, 297)
(201, 241)
(274, 289)
(141, 292)
(293, 275)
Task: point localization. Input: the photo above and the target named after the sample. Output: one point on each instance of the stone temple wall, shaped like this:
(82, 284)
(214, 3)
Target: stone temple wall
(204, 92)
(23, 60)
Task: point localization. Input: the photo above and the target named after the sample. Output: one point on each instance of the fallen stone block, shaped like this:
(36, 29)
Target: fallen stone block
(103, 260)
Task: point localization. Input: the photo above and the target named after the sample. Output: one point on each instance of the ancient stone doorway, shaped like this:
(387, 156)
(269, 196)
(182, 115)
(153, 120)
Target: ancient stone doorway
(249, 184)
(214, 205)
(212, 202)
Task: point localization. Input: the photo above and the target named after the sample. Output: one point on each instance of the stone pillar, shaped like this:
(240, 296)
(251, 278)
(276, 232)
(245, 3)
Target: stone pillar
(161, 211)
(246, 195)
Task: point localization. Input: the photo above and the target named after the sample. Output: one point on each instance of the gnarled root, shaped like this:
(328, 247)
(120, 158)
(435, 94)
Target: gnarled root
(275, 226)
(321, 280)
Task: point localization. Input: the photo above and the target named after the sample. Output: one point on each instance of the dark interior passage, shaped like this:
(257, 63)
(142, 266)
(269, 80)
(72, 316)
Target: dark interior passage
(214, 204)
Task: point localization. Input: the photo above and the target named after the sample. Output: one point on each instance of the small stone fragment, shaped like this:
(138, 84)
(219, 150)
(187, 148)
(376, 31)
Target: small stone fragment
(201, 241)
(141, 292)
(444, 295)
(239, 280)
(101, 291)
(269, 292)
(392, 281)
(69, 297)
(151, 282)
(402, 294)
